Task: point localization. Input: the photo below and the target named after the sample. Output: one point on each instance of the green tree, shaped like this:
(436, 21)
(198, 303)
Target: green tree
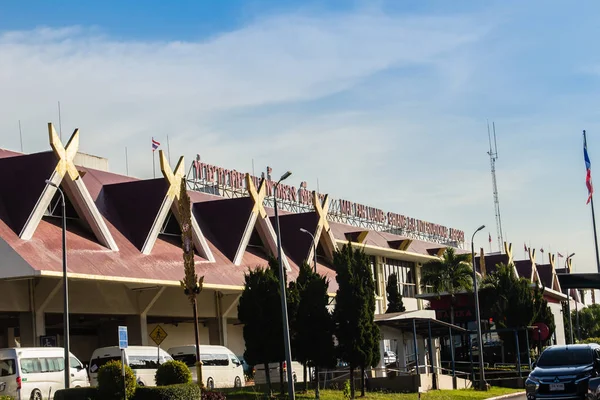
(502, 293)
(450, 275)
(314, 324)
(191, 284)
(259, 310)
(589, 321)
(354, 311)
(370, 329)
(394, 298)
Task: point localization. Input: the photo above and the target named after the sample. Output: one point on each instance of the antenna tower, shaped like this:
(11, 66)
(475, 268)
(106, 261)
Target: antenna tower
(493, 153)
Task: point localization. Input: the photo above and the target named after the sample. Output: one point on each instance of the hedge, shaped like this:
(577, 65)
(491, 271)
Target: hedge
(173, 373)
(188, 391)
(6, 398)
(85, 393)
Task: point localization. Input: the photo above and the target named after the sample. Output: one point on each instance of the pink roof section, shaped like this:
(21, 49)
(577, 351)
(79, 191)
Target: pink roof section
(87, 257)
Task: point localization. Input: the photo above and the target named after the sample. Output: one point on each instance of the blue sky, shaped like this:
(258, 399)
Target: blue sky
(385, 103)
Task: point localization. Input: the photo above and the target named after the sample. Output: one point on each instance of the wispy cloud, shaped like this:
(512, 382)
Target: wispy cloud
(384, 109)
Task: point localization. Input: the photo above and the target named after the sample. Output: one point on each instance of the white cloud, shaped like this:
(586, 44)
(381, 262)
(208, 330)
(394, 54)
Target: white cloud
(385, 110)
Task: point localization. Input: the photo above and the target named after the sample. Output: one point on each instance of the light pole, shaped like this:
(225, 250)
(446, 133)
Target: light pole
(482, 384)
(569, 300)
(314, 246)
(65, 286)
(282, 281)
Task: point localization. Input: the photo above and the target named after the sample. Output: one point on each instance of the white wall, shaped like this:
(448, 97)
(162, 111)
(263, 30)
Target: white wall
(180, 335)
(559, 322)
(235, 339)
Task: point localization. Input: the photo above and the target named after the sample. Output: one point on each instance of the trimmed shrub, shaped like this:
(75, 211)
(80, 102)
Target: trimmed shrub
(85, 393)
(173, 373)
(6, 398)
(591, 340)
(186, 391)
(110, 381)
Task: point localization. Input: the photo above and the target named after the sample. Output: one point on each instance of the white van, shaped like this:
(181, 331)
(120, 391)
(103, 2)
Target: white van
(260, 378)
(37, 372)
(143, 360)
(220, 367)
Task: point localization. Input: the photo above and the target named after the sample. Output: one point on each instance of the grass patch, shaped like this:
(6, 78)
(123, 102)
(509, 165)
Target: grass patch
(464, 394)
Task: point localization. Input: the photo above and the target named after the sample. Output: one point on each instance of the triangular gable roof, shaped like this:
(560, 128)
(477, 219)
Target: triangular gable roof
(437, 251)
(400, 244)
(527, 268)
(491, 260)
(229, 223)
(356, 236)
(132, 207)
(66, 175)
(297, 244)
(224, 222)
(22, 187)
(175, 179)
(548, 274)
(259, 220)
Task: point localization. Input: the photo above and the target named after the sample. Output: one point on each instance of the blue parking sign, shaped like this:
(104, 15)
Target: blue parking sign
(122, 337)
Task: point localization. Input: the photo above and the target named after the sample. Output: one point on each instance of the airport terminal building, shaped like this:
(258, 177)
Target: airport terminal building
(124, 247)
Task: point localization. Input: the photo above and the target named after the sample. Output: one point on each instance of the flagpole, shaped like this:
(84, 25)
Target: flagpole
(153, 167)
(593, 215)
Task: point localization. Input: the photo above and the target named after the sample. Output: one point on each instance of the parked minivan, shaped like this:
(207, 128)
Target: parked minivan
(564, 372)
(260, 377)
(37, 372)
(143, 360)
(220, 367)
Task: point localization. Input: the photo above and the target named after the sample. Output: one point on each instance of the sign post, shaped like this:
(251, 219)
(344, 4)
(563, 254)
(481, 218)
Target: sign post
(123, 342)
(158, 335)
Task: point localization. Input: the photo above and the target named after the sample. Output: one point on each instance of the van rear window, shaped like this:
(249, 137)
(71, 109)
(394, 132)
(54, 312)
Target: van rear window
(7, 367)
(187, 359)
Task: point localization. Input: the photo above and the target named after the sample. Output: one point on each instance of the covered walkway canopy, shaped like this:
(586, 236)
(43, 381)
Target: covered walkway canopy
(579, 281)
(423, 323)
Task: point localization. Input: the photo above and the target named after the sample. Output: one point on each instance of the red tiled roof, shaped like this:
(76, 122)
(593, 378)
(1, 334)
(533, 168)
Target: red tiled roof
(9, 153)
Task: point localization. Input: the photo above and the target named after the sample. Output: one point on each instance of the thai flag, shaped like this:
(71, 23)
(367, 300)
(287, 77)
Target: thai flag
(588, 172)
(155, 144)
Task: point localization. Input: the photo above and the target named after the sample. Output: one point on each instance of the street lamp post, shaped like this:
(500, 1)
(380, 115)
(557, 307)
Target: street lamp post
(65, 287)
(482, 383)
(569, 301)
(314, 246)
(282, 281)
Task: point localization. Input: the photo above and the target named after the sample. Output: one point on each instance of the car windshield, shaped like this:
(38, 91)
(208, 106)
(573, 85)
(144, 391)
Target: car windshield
(565, 357)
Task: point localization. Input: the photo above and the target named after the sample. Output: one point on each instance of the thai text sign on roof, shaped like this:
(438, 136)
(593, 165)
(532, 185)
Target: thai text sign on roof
(231, 183)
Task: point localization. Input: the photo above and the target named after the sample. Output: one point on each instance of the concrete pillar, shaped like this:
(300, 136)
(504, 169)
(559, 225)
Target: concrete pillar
(418, 285)
(26, 330)
(214, 337)
(134, 330)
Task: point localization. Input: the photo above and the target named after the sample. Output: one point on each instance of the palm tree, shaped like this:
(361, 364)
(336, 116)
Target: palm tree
(451, 274)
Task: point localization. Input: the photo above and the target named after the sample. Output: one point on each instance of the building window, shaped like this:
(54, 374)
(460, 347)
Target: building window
(405, 272)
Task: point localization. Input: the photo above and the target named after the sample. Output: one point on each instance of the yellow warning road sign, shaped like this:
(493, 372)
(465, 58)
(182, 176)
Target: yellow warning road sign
(158, 334)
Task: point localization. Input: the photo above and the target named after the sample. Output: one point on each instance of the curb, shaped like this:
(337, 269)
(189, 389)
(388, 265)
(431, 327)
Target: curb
(507, 396)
